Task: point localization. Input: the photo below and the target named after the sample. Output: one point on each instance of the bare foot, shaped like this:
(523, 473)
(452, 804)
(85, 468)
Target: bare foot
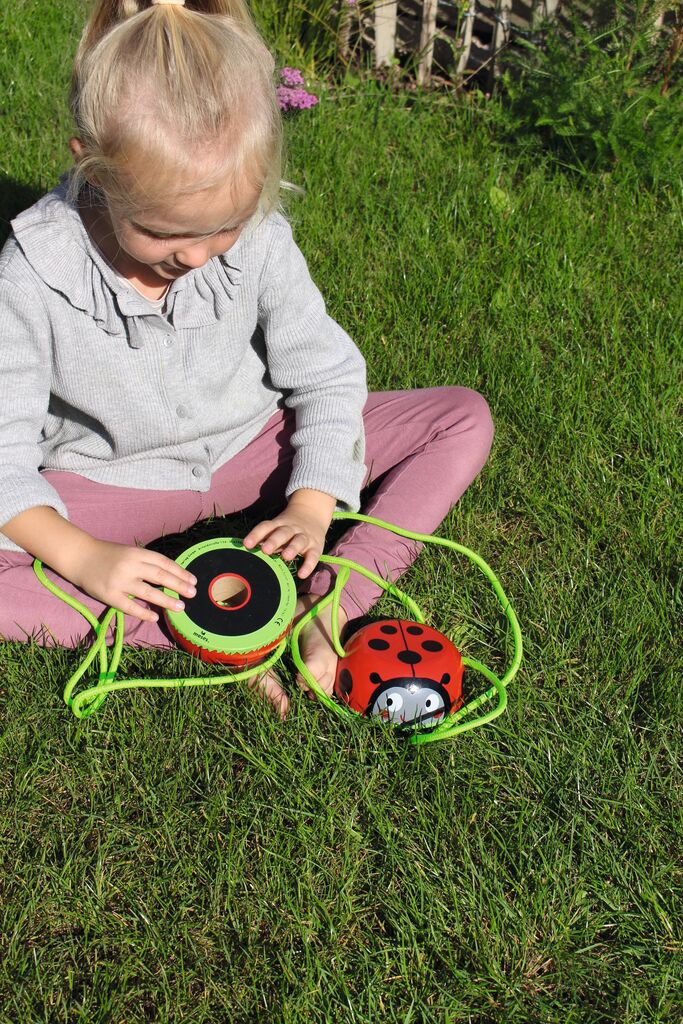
(268, 685)
(315, 640)
(317, 652)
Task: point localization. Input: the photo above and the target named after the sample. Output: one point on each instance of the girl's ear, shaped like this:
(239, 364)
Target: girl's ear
(78, 153)
(77, 149)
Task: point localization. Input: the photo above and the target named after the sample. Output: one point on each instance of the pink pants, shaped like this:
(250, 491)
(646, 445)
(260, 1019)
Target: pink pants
(423, 449)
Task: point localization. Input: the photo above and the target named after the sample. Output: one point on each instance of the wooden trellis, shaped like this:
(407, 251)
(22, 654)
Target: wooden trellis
(461, 38)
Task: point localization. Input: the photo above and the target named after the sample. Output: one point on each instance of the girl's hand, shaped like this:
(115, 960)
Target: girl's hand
(117, 574)
(299, 530)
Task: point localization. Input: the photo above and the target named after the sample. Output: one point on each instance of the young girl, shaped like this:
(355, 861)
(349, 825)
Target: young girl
(165, 356)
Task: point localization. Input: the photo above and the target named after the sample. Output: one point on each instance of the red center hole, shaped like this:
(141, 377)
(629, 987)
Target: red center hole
(229, 591)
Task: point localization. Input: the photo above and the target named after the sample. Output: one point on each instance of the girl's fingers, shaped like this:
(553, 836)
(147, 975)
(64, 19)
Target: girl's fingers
(152, 595)
(277, 540)
(130, 607)
(256, 535)
(172, 577)
(296, 546)
(288, 541)
(272, 536)
(308, 565)
(155, 596)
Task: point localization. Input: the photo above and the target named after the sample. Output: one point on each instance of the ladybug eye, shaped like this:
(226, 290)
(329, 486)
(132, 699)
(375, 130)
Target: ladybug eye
(394, 702)
(430, 703)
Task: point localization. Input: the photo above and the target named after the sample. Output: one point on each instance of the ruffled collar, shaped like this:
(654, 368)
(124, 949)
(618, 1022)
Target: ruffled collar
(54, 240)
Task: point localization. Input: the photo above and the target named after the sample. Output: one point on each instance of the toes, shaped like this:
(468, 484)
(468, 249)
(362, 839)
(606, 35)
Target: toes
(323, 676)
(269, 687)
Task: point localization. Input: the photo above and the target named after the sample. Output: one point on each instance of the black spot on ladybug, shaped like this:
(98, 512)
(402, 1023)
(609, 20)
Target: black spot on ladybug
(431, 645)
(345, 682)
(445, 679)
(409, 657)
(414, 630)
(388, 629)
(378, 645)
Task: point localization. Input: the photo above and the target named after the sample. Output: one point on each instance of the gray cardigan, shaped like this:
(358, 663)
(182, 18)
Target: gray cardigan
(94, 381)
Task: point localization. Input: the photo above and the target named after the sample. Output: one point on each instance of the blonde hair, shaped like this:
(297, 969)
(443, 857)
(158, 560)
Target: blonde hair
(171, 99)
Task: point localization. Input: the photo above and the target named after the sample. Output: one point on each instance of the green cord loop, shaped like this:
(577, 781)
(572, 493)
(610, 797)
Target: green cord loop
(87, 701)
(453, 725)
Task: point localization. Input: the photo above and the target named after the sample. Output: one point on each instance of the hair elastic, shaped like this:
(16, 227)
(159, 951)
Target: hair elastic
(173, 3)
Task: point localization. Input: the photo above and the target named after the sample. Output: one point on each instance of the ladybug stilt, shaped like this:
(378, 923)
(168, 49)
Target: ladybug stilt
(404, 672)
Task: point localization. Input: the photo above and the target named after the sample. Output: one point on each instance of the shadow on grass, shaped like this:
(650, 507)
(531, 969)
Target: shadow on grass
(15, 196)
(238, 525)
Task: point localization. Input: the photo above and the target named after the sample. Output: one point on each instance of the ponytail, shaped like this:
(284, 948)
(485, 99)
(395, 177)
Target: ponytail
(154, 82)
(108, 13)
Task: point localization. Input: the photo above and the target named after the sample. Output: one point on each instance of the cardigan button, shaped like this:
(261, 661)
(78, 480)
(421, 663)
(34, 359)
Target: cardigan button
(197, 471)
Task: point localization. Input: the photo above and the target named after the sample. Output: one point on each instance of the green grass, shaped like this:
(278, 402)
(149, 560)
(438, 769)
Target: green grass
(186, 857)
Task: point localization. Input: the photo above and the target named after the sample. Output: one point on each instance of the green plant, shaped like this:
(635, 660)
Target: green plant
(598, 100)
(301, 33)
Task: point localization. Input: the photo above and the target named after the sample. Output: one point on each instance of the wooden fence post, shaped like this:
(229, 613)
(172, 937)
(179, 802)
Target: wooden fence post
(477, 47)
(385, 31)
(424, 67)
(468, 17)
(501, 32)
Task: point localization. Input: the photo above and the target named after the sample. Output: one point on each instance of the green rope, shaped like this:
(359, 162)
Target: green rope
(453, 724)
(89, 700)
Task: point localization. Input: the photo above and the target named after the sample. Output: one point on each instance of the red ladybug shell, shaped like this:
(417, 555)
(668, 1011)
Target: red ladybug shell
(403, 672)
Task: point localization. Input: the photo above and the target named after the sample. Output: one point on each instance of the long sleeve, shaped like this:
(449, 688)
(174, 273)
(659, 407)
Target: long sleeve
(25, 373)
(319, 370)
(95, 381)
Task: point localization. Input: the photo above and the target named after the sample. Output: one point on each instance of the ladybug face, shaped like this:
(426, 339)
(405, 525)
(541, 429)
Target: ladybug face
(409, 701)
(403, 672)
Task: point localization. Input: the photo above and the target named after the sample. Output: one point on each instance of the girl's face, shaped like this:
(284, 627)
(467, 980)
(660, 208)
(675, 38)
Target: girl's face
(175, 236)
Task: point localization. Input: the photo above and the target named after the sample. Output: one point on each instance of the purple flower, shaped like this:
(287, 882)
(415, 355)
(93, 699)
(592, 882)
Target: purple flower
(295, 99)
(291, 77)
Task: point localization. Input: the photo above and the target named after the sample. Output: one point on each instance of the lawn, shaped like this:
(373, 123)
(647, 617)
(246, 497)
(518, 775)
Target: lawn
(185, 857)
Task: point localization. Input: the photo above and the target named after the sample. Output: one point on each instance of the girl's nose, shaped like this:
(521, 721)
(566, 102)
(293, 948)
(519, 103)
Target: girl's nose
(193, 255)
